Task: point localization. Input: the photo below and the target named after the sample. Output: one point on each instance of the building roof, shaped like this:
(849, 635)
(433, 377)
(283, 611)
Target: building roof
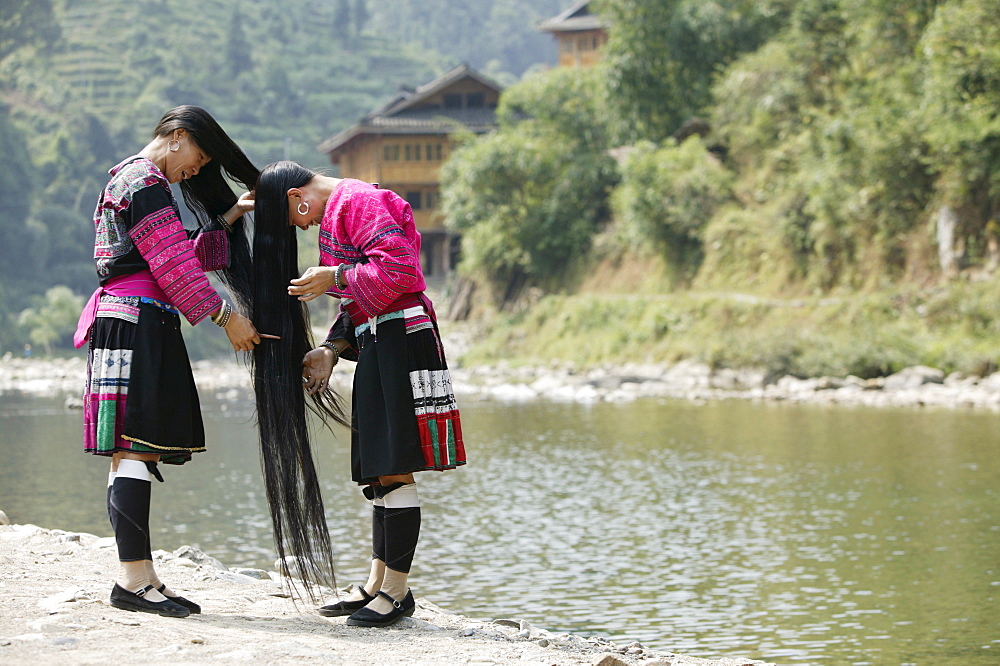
(576, 18)
(402, 114)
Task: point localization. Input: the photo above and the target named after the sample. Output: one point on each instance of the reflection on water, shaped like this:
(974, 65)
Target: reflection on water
(788, 533)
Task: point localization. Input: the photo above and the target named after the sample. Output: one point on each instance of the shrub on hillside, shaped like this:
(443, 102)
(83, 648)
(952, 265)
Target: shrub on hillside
(668, 194)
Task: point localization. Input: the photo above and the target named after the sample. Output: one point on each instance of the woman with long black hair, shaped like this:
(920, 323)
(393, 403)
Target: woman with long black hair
(403, 413)
(141, 405)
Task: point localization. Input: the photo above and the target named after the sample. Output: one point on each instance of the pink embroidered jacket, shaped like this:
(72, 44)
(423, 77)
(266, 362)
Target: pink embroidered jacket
(139, 229)
(373, 230)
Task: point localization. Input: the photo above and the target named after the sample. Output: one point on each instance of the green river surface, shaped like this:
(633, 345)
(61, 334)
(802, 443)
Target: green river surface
(789, 533)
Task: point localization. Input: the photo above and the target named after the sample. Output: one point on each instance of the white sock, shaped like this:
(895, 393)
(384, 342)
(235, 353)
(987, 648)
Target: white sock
(134, 469)
(404, 497)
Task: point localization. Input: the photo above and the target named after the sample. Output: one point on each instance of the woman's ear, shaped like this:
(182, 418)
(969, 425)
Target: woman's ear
(179, 133)
(294, 192)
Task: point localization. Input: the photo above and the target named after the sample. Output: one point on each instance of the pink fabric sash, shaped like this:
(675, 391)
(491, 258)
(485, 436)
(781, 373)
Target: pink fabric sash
(136, 284)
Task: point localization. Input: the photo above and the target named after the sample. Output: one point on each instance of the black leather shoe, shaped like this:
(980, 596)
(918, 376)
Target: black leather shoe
(369, 618)
(135, 601)
(347, 607)
(181, 601)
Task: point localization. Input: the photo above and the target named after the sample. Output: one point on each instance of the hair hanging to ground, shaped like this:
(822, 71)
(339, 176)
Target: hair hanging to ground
(208, 194)
(290, 479)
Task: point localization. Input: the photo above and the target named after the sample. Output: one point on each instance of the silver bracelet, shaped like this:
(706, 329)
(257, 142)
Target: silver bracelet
(225, 225)
(225, 312)
(332, 347)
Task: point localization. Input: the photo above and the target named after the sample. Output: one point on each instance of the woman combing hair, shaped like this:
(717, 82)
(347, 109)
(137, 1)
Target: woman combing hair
(403, 413)
(141, 406)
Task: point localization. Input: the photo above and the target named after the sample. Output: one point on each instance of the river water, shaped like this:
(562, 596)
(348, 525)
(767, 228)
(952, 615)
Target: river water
(794, 534)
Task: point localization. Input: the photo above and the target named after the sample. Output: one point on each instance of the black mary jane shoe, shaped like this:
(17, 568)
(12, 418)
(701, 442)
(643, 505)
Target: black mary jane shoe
(347, 607)
(369, 618)
(180, 601)
(136, 601)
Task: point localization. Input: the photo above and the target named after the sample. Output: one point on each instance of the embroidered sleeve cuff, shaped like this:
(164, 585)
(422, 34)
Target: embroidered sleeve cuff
(212, 250)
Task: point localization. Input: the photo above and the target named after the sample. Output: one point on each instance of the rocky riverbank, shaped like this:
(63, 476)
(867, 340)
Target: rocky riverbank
(918, 386)
(54, 609)
(911, 387)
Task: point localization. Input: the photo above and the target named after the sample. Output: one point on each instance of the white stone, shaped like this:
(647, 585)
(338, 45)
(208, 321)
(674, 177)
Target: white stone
(236, 578)
(914, 377)
(198, 556)
(259, 574)
(47, 625)
(292, 566)
(512, 393)
(69, 595)
(27, 529)
(688, 375)
(992, 382)
(414, 623)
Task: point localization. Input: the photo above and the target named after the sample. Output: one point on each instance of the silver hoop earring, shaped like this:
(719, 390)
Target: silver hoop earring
(299, 208)
(173, 145)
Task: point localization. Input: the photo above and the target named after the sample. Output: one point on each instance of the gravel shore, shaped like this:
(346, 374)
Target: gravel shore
(54, 588)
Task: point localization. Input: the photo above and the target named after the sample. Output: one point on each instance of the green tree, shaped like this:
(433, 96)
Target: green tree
(359, 17)
(529, 198)
(53, 320)
(661, 55)
(961, 50)
(566, 101)
(238, 52)
(342, 20)
(824, 126)
(528, 206)
(26, 23)
(16, 188)
(668, 194)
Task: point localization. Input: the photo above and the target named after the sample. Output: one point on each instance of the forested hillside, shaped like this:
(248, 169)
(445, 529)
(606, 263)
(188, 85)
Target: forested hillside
(82, 82)
(839, 155)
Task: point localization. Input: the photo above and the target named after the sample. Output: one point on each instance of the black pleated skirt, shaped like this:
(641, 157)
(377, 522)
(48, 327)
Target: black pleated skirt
(140, 393)
(403, 409)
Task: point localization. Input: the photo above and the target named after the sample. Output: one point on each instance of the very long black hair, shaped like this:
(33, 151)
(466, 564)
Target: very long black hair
(209, 194)
(259, 289)
(289, 473)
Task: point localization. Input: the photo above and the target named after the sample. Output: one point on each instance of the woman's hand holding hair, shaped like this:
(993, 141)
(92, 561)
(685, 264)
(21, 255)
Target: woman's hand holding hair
(242, 206)
(315, 281)
(245, 203)
(242, 333)
(317, 366)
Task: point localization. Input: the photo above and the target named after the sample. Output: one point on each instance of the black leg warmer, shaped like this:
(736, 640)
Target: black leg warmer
(129, 509)
(402, 529)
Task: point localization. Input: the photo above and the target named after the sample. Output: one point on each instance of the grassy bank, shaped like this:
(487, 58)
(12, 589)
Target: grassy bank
(954, 327)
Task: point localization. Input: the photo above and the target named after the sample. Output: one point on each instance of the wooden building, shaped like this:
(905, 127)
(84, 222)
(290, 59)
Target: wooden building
(579, 33)
(402, 145)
